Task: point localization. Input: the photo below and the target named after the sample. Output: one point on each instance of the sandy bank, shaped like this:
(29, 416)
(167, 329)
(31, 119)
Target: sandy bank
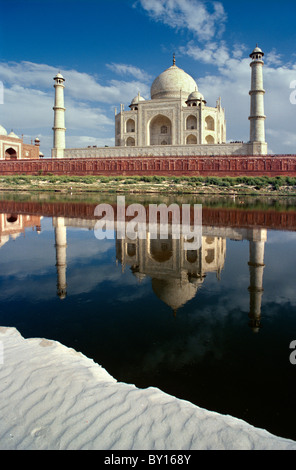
(52, 397)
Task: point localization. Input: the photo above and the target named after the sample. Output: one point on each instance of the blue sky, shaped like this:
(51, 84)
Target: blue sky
(110, 50)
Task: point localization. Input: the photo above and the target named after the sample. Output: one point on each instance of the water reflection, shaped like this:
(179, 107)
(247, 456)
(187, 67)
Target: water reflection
(155, 314)
(176, 274)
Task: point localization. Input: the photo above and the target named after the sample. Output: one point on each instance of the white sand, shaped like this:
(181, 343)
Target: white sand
(52, 397)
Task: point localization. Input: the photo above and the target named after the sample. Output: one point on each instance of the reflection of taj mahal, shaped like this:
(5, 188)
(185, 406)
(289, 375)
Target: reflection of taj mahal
(176, 274)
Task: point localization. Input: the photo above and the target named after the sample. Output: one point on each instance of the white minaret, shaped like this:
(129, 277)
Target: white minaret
(257, 117)
(59, 129)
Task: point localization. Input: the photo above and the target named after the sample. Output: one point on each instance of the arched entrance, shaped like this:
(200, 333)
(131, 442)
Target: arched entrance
(130, 142)
(10, 154)
(191, 139)
(160, 130)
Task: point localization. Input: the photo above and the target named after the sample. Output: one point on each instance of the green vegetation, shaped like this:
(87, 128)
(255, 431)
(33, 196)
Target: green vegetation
(165, 184)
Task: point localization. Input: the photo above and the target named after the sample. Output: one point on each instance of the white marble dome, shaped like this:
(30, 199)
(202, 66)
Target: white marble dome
(2, 130)
(195, 95)
(171, 82)
(137, 99)
(12, 134)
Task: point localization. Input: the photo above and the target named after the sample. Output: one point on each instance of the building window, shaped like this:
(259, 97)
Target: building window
(164, 130)
(130, 125)
(210, 139)
(191, 123)
(210, 123)
(130, 142)
(191, 140)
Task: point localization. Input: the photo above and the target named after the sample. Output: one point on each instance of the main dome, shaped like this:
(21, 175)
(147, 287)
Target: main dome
(172, 82)
(2, 130)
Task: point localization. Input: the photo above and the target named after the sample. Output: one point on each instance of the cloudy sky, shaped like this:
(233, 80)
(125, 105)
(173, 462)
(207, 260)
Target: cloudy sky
(110, 50)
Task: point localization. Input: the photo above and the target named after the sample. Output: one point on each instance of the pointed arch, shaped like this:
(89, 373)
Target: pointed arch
(11, 153)
(210, 123)
(191, 139)
(159, 126)
(191, 122)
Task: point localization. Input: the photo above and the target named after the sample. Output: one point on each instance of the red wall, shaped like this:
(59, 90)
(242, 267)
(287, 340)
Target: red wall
(217, 217)
(274, 165)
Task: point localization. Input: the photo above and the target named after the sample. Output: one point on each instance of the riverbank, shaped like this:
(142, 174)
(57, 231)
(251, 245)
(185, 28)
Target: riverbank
(259, 186)
(55, 398)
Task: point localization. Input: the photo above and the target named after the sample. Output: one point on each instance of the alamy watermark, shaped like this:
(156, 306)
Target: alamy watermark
(293, 354)
(293, 94)
(135, 220)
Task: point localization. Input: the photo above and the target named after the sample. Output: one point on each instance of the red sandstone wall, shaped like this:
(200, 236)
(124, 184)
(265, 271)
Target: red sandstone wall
(276, 165)
(216, 217)
(33, 151)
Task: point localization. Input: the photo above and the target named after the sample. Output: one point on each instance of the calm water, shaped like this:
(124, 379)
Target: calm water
(212, 326)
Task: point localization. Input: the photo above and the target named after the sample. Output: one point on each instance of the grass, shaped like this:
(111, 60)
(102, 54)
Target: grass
(156, 183)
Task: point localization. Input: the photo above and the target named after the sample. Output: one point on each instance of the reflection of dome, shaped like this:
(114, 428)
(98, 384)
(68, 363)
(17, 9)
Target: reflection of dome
(169, 84)
(173, 292)
(2, 130)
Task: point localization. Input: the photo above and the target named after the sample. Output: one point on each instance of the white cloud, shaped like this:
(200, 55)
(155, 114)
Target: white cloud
(125, 69)
(29, 99)
(194, 15)
(232, 82)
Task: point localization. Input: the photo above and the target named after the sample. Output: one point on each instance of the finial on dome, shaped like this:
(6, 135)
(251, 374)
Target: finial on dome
(174, 59)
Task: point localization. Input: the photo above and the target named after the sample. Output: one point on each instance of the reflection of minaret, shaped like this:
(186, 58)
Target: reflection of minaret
(61, 253)
(256, 267)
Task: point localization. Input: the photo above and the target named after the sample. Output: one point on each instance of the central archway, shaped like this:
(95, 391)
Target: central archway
(160, 130)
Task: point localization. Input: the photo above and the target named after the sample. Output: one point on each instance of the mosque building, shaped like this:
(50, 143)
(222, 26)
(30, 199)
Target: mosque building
(13, 147)
(175, 121)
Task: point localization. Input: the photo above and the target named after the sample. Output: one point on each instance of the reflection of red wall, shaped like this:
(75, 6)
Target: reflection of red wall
(168, 166)
(216, 217)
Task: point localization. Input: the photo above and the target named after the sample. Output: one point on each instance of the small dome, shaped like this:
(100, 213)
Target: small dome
(195, 95)
(171, 83)
(137, 99)
(257, 50)
(59, 76)
(12, 134)
(2, 130)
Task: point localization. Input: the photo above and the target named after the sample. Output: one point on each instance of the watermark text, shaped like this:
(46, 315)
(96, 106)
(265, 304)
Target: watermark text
(293, 353)
(160, 221)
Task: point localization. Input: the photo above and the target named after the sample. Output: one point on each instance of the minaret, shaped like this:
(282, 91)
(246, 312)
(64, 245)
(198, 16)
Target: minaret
(61, 255)
(257, 116)
(59, 129)
(256, 267)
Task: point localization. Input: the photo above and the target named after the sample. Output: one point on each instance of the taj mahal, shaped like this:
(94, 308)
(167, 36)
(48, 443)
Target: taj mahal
(176, 121)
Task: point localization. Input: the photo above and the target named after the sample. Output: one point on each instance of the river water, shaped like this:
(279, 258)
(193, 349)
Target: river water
(212, 325)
